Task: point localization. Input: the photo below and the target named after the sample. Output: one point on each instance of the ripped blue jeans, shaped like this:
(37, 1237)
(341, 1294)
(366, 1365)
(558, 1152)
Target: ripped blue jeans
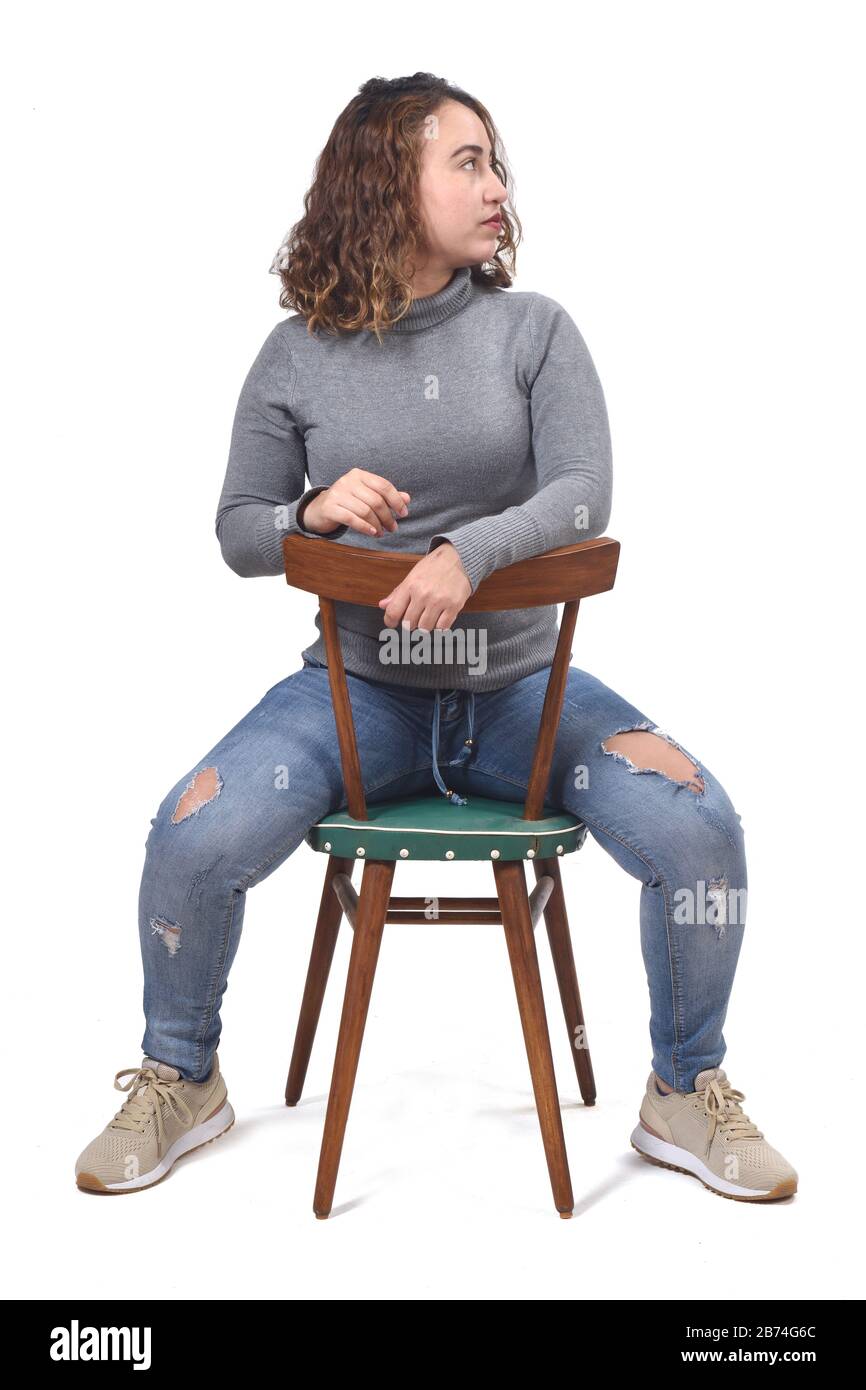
(249, 802)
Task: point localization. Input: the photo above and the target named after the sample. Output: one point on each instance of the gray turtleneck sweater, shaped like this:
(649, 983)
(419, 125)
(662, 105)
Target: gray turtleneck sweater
(482, 403)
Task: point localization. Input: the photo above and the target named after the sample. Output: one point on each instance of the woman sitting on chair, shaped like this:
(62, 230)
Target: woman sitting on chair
(438, 411)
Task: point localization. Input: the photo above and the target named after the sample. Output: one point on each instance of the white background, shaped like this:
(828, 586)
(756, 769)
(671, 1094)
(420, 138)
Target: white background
(690, 183)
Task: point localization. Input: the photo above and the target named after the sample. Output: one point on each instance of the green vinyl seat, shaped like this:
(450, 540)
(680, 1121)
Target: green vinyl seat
(428, 827)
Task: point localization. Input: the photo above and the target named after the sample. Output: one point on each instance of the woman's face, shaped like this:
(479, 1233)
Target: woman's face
(458, 190)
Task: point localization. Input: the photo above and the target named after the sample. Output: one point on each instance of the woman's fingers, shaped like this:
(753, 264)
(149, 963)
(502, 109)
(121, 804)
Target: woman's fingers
(370, 500)
(374, 506)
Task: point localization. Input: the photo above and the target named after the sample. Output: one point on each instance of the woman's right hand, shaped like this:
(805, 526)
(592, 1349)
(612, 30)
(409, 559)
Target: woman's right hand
(361, 500)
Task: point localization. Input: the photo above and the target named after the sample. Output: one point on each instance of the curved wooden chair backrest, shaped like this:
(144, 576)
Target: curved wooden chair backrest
(350, 574)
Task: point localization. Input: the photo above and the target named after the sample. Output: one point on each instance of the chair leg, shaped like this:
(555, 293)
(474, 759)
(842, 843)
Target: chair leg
(559, 936)
(514, 904)
(369, 925)
(324, 942)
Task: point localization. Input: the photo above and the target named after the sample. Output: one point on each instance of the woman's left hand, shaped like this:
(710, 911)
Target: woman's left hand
(432, 594)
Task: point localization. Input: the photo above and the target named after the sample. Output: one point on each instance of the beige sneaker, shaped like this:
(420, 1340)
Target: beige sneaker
(164, 1118)
(706, 1134)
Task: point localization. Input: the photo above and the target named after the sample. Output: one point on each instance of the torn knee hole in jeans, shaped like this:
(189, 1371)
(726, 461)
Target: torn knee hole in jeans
(169, 931)
(203, 788)
(647, 744)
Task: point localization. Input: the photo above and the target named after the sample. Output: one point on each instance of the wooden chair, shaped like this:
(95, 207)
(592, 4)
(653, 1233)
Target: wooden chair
(502, 832)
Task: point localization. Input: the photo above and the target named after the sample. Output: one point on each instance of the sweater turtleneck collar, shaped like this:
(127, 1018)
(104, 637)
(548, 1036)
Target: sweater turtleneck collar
(430, 309)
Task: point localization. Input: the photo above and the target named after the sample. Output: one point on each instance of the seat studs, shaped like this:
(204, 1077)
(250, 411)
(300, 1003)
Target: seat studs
(449, 854)
(404, 854)
(327, 844)
(360, 849)
(559, 849)
(494, 854)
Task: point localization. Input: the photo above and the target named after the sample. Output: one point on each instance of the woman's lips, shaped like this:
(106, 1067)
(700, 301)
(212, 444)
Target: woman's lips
(494, 222)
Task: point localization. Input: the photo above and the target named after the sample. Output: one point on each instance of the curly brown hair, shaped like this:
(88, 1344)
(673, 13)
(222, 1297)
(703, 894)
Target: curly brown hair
(342, 264)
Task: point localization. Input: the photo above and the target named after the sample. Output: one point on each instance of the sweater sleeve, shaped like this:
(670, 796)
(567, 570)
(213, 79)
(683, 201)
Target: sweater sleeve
(572, 452)
(263, 489)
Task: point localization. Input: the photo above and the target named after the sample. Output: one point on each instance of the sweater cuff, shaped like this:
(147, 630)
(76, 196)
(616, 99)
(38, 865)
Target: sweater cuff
(279, 522)
(489, 543)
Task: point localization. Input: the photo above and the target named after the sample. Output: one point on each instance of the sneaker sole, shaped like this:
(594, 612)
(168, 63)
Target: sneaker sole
(197, 1137)
(666, 1155)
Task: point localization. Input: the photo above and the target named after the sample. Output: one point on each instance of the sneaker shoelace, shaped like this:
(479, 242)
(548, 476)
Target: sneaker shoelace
(722, 1104)
(135, 1112)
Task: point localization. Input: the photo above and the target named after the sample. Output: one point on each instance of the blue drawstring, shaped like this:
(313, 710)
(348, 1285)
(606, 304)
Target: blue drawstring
(463, 756)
